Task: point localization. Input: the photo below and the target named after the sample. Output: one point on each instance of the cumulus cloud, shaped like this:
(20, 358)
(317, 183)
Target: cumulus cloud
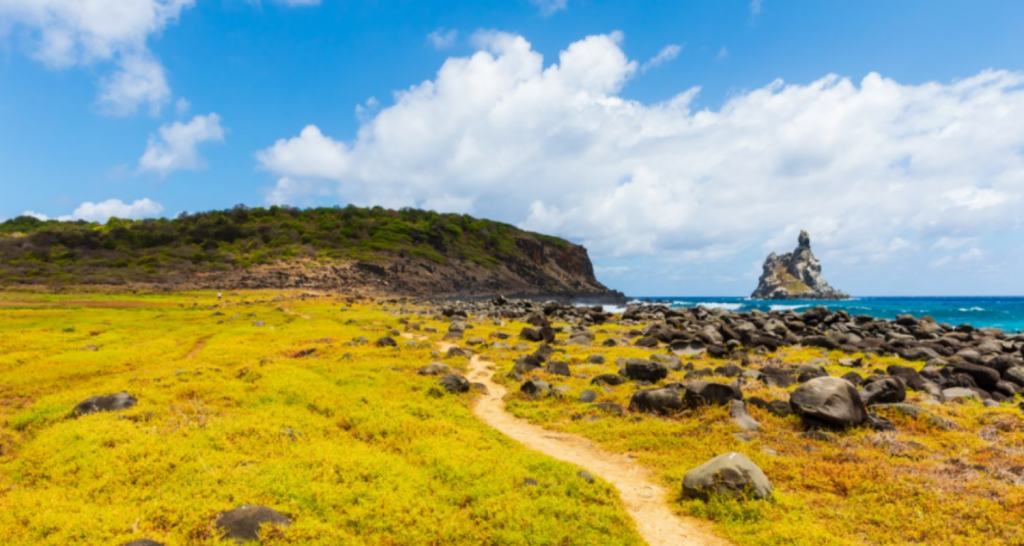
(872, 168)
(667, 53)
(66, 33)
(443, 39)
(176, 146)
(111, 208)
(549, 7)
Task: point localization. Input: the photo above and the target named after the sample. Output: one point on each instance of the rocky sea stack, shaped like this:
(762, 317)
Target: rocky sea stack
(795, 276)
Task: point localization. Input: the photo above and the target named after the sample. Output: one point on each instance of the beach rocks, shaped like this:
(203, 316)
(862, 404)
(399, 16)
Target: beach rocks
(454, 383)
(243, 523)
(985, 378)
(730, 474)
(663, 401)
(110, 402)
(829, 400)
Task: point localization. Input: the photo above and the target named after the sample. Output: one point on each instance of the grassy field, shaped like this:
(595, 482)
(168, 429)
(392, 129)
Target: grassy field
(355, 448)
(347, 441)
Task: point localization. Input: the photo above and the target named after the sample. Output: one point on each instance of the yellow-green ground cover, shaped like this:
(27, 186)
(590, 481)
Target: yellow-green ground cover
(919, 485)
(348, 442)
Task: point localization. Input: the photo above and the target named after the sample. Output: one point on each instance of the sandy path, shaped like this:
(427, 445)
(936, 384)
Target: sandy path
(644, 500)
(199, 346)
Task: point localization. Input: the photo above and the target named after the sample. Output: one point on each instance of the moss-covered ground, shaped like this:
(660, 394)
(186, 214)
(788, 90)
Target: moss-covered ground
(347, 441)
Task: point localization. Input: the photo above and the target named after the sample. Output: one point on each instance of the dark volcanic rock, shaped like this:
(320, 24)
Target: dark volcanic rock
(110, 402)
(796, 275)
(884, 390)
(829, 400)
(454, 383)
(608, 379)
(644, 370)
(664, 401)
(706, 393)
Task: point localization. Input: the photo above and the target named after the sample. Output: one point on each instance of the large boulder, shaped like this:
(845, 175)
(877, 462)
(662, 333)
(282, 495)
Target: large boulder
(664, 401)
(985, 378)
(110, 402)
(731, 474)
(829, 400)
(557, 367)
(243, 523)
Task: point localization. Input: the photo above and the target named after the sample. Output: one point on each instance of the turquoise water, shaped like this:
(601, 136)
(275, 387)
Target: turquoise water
(1006, 312)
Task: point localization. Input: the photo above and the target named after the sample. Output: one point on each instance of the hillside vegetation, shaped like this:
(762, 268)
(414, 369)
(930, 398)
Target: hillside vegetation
(225, 244)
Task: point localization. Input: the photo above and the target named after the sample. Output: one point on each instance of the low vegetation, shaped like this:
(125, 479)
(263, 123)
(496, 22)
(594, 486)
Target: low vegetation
(162, 250)
(346, 440)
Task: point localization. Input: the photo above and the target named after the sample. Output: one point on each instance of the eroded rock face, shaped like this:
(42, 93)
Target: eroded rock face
(796, 275)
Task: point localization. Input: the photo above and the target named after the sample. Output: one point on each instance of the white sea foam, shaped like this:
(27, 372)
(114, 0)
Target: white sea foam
(787, 307)
(716, 305)
(968, 310)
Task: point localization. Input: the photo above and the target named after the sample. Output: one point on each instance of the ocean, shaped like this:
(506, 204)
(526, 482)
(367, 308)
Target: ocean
(1006, 312)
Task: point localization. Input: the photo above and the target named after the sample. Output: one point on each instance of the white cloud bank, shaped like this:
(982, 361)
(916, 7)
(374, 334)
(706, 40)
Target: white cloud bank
(176, 146)
(66, 33)
(556, 149)
(101, 212)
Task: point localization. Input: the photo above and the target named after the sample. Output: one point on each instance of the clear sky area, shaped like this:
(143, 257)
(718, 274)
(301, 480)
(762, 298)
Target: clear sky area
(679, 141)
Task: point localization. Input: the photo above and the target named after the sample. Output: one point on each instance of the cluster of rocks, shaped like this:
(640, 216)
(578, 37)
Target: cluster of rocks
(795, 275)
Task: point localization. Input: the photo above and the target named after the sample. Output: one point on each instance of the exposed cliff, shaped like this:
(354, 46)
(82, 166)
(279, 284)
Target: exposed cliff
(405, 252)
(795, 276)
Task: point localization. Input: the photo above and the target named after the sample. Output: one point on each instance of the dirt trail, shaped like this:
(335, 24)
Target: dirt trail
(199, 345)
(644, 500)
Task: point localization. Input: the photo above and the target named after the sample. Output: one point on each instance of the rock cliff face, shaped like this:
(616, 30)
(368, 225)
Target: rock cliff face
(795, 276)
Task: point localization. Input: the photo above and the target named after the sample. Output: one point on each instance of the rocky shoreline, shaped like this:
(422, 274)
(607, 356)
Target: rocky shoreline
(948, 363)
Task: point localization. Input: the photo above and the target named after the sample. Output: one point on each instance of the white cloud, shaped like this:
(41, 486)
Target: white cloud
(176, 146)
(667, 53)
(103, 211)
(182, 106)
(756, 6)
(972, 255)
(66, 33)
(443, 39)
(950, 243)
(872, 169)
(549, 7)
(723, 54)
(298, 3)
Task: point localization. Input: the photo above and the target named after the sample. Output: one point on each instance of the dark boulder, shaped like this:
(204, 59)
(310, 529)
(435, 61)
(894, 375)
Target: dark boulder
(556, 367)
(454, 383)
(644, 370)
(829, 400)
(706, 393)
(663, 401)
(883, 390)
(985, 378)
(386, 342)
(608, 379)
(777, 377)
(434, 369)
(110, 402)
(535, 387)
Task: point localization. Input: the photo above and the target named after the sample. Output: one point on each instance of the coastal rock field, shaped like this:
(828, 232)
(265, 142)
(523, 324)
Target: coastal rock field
(310, 418)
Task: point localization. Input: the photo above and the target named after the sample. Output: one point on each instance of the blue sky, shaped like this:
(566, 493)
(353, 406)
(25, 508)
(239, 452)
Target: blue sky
(905, 165)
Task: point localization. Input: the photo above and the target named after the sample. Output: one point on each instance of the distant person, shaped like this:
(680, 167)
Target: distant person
(218, 296)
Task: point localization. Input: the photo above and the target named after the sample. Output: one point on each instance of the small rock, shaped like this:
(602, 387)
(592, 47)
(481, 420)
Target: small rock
(243, 523)
(454, 383)
(588, 396)
(738, 412)
(586, 476)
(434, 369)
(110, 402)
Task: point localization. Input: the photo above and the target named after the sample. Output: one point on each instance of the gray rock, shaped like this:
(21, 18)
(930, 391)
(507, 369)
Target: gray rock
(829, 400)
(558, 368)
(731, 474)
(887, 390)
(535, 387)
(596, 359)
(707, 393)
(588, 396)
(434, 369)
(243, 523)
(738, 412)
(644, 370)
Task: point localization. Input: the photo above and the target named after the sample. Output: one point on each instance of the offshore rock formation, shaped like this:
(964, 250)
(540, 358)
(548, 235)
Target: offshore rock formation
(795, 276)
